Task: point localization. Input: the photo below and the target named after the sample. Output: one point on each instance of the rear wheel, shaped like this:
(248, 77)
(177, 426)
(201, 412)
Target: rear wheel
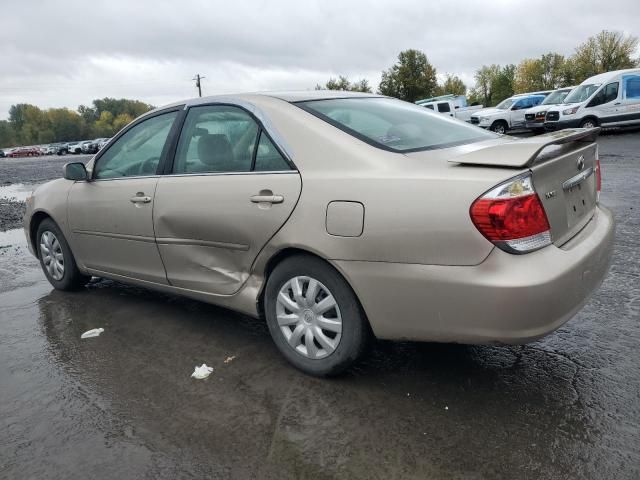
(500, 127)
(314, 317)
(588, 123)
(56, 259)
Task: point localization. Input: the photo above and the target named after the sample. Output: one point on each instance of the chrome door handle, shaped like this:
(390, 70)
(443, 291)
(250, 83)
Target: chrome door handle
(140, 199)
(267, 199)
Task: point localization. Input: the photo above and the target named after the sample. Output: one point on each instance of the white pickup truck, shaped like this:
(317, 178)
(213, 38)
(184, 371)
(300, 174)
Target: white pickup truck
(451, 105)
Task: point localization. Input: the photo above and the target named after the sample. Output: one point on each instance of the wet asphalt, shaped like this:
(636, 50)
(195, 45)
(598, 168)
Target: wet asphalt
(123, 405)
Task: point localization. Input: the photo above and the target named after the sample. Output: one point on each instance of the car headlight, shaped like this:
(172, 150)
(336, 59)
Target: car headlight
(484, 119)
(570, 111)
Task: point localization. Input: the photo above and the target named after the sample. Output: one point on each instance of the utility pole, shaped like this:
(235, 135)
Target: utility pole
(197, 78)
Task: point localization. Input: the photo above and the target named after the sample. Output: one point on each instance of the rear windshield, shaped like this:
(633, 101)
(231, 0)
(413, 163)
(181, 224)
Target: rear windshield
(393, 124)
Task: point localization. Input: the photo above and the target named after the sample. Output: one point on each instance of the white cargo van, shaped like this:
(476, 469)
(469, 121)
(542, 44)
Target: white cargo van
(609, 99)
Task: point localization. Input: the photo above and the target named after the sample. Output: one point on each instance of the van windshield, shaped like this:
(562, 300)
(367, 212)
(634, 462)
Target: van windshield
(393, 124)
(555, 98)
(582, 93)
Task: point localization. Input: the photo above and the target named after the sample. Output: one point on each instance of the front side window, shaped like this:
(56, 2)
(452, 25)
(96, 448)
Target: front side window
(393, 124)
(607, 94)
(138, 151)
(216, 138)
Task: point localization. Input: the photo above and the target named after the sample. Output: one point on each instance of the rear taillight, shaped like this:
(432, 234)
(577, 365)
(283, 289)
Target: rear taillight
(512, 217)
(598, 180)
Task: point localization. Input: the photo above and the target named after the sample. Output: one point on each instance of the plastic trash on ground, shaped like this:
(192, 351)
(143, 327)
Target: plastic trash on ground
(92, 333)
(202, 372)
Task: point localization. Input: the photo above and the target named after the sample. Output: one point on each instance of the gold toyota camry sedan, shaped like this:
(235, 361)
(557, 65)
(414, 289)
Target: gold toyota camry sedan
(337, 217)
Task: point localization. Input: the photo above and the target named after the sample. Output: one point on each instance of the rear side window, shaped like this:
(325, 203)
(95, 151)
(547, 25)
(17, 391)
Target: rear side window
(393, 124)
(268, 158)
(444, 107)
(430, 107)
(632, 86)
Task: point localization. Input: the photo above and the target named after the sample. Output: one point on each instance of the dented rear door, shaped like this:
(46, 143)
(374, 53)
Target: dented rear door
(209, 228)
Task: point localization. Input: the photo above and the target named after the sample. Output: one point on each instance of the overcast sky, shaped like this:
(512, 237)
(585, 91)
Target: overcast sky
(66, 53)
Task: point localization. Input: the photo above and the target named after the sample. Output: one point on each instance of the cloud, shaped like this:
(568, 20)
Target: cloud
(67, 53)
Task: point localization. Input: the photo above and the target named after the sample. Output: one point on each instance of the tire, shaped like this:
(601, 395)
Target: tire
(349, 341)
(49, 238)
(500, 127)
(588, 123)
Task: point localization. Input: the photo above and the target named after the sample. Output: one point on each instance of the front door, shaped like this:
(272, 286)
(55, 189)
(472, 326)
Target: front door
(229, 192)
(605, 105)
(111, 216)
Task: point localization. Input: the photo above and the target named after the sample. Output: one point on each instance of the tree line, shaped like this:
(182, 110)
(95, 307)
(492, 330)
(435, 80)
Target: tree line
(412, 77)
(31, 125)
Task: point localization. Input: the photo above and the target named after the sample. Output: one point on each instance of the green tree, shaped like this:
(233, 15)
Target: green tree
(66, 124)
(121, 121)
(411, 78)
(342, 83)
(485, 77)
(502, 84)
(452, 85)
(7, 134)
(104, 125)
(604, 52)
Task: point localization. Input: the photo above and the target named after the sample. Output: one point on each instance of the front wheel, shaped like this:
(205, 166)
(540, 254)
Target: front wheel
(56, 259)
(314, 317)
(499, 127)
(588, 123)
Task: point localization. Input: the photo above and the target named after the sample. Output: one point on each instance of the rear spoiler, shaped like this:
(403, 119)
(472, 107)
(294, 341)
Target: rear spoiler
(523, 152)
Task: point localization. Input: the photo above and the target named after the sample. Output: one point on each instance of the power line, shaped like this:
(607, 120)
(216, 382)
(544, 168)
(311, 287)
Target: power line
(197, 78)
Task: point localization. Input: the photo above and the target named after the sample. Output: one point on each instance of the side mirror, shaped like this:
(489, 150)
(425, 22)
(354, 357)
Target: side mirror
(75, 171)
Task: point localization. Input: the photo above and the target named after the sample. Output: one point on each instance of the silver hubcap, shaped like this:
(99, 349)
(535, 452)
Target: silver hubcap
(588, 125)
(499, 129)
(309, 317)
(52, 256)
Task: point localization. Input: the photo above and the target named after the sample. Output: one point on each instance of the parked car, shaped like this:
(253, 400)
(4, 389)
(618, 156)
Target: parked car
(335, 216)
(88, 147)
(103, 143)
(2, 154)
(61, 148)
(49, 150)
(610, 99)
(508, 114)
(452, 106)
(534, 117)
(25, 152)
(75, 147)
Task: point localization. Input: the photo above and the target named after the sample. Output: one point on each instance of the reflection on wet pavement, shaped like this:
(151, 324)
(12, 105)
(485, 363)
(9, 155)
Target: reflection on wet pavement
(124, 404)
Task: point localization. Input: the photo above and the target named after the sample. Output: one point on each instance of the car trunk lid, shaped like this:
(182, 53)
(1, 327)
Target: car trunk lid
(564, 173)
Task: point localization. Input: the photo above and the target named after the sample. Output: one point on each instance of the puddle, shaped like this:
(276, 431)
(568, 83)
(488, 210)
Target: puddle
(16, 191)
(12, 238)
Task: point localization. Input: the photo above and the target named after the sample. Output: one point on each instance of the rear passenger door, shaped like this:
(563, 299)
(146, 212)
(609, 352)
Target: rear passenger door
(229, 191)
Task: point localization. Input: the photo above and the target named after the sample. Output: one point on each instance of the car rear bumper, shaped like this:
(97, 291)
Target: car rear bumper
(507, 298)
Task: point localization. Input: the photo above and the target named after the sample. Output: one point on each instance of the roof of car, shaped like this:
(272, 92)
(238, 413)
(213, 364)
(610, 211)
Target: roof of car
(605, 77)
(287, 96)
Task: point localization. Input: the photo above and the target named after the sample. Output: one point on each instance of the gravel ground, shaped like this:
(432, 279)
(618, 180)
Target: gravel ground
(123, 405)
(28, 171)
